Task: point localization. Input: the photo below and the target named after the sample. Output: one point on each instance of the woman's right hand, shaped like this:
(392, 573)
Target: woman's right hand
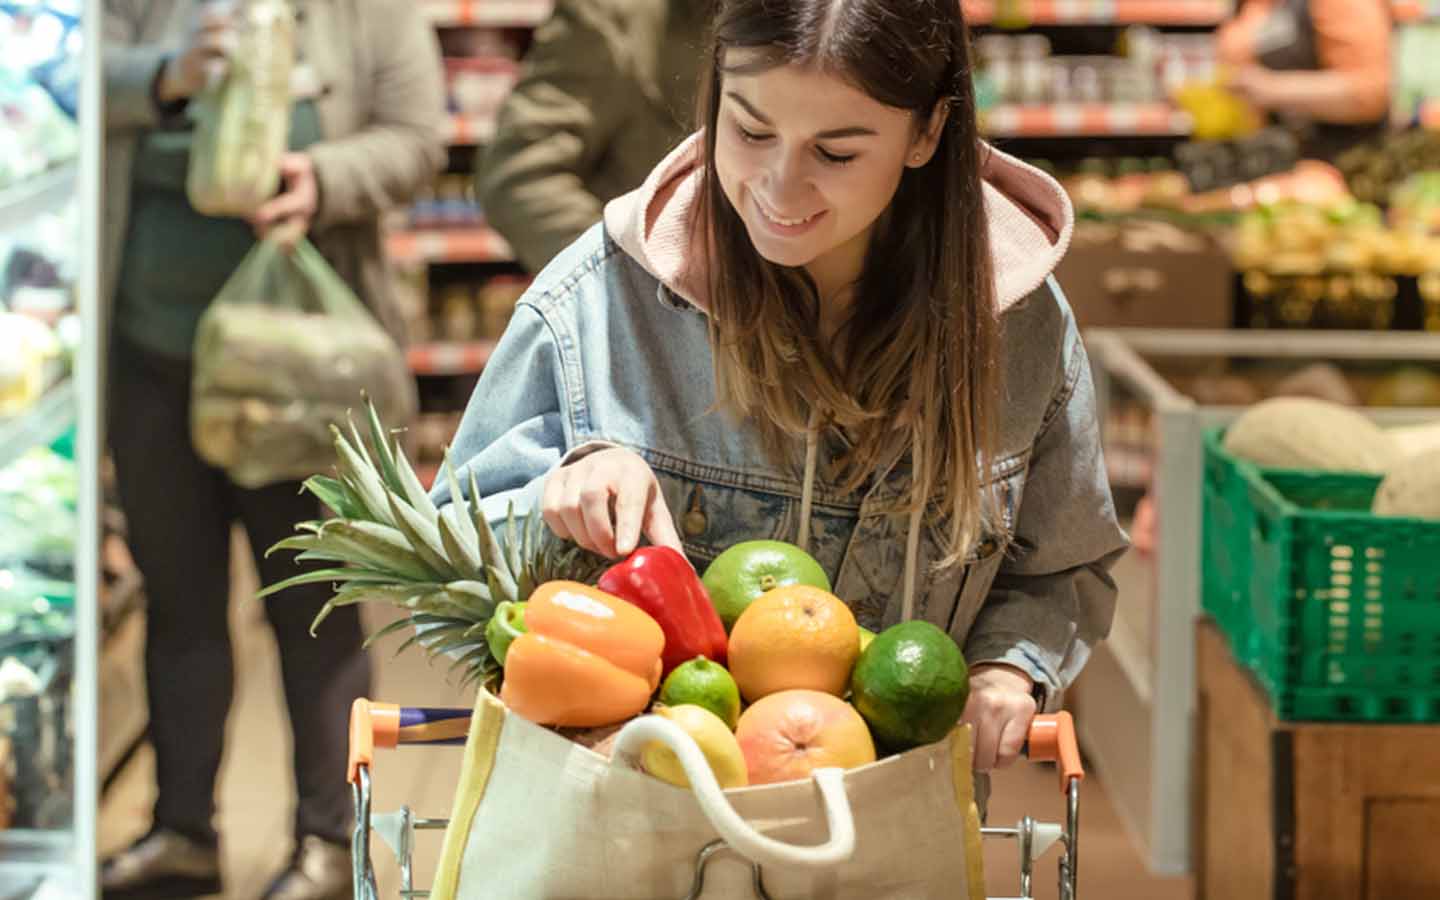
(211, 37)
(604, 500)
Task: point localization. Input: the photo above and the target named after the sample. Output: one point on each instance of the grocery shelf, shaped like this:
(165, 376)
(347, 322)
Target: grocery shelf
(448, 245)
(41, 424)
(29, 858)
(1415, 10)
(1106, 12)
(46, 192)
(1086, 120)
(463, 131)
(449, 357)
(487, 13)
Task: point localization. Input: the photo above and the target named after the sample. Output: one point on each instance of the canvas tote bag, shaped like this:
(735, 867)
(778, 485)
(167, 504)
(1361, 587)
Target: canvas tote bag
(540, 817)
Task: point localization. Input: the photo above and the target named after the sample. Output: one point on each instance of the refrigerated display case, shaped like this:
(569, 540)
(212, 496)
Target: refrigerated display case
(49, 414)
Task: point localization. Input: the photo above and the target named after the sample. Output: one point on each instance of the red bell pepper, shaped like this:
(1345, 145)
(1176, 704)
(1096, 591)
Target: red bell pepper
(661, 581)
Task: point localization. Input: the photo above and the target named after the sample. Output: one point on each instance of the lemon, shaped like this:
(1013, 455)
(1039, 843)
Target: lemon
(716, 741)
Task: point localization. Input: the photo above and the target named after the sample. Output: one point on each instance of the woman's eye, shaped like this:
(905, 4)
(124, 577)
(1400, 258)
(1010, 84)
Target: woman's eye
(749, 136)
(838, 159)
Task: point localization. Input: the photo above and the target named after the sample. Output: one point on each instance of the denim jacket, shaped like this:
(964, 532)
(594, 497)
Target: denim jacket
(610, 346)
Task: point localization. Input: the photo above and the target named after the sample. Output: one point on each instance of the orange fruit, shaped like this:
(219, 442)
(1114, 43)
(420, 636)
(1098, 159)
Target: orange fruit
(794, 637)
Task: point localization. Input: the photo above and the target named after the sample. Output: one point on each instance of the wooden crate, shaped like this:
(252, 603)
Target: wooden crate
(1308, 811)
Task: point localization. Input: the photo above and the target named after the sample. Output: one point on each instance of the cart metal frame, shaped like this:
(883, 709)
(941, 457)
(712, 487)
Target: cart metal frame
(374, 725)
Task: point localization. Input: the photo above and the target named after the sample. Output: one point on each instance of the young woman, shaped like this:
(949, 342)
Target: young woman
(828, 319)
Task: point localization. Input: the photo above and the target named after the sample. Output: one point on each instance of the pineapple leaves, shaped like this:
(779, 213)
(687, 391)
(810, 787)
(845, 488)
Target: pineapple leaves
(350, 575)
(359, 475)
(413, 491)
(512, 542)
(384, 447)
(336, 496)
(497, 573)
(424, 538)
(371, 546)
(463, 556)
(307, 542)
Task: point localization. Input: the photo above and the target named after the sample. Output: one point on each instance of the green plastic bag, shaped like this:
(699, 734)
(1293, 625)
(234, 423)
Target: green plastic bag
(283, 353)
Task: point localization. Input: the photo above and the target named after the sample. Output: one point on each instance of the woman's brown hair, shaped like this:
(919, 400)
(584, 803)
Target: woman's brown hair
(919, 346)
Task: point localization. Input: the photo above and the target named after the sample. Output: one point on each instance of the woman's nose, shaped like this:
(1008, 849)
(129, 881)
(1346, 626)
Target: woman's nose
(786, 174)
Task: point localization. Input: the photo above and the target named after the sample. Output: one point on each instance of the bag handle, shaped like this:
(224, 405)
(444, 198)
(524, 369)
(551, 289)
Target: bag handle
(732, 828)
(324, 291)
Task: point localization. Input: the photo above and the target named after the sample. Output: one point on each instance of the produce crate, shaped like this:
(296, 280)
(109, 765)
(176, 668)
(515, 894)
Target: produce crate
(1335, 610)
(1307, 810)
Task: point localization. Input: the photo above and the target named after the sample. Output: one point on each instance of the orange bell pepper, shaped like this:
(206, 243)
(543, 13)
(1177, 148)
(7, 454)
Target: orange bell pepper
(586, 658)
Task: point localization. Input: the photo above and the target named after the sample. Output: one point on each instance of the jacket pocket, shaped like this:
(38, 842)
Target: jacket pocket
(713, 517)
(954, 598)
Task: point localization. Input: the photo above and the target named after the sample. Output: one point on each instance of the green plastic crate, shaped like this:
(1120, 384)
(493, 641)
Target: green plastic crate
(1335, 610)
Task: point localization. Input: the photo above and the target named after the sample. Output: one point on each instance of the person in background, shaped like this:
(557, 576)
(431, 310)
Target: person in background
(606, 90)
(1322, 63)
(365, 135)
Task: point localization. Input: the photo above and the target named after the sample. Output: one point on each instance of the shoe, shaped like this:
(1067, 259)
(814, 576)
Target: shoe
(320, 871)
(162, 865)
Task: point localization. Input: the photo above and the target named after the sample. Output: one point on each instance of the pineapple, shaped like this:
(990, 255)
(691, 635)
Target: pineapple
(447, 567)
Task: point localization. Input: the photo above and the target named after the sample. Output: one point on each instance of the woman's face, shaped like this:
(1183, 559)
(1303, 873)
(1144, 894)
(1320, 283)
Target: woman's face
(810, 162)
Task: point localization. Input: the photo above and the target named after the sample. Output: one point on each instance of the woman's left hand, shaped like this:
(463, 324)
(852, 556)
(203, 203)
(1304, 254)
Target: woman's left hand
(295, 206)
(999, 710)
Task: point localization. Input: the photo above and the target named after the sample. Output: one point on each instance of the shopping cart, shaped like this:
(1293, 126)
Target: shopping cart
(381, 725)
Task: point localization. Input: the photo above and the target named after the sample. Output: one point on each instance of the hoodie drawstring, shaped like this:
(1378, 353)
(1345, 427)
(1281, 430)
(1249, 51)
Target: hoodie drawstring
(807, 491)
(912, 535)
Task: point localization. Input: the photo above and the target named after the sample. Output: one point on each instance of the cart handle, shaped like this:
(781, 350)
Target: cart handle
(1052, 739)
(386, 725)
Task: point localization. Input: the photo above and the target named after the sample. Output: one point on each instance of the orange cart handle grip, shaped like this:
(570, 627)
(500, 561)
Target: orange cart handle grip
(1052, 739)
(386, 725)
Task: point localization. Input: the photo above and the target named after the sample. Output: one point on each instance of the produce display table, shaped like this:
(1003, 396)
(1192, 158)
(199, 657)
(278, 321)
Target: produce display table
(1307, 811)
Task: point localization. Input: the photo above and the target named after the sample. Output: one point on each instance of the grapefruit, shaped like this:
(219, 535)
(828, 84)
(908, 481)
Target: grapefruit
(788, 735)
(737, 577)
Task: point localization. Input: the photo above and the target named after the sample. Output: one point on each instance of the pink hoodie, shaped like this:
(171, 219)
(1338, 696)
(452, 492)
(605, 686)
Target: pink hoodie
(1030, 224)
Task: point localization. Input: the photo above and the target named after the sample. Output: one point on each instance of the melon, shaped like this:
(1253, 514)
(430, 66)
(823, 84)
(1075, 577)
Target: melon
(1407, 386)
(1306, 433)
(1411, 488)
(1414, 439)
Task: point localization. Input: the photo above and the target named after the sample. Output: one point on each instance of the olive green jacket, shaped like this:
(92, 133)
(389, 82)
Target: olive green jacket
(381, 106)
(607, 89)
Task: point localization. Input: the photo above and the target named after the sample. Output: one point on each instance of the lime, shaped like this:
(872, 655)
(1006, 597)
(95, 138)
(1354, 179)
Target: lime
(911, 685)
(706, 684)
(749, 569)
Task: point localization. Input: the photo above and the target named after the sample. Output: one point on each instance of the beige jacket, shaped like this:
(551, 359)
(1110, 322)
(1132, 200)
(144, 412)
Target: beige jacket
(607, 89)
(381, 108)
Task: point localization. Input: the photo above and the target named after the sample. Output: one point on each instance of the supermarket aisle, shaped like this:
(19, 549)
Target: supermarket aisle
(255, 799)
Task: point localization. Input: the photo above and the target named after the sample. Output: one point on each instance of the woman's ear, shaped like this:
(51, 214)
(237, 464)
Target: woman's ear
(923, 147)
